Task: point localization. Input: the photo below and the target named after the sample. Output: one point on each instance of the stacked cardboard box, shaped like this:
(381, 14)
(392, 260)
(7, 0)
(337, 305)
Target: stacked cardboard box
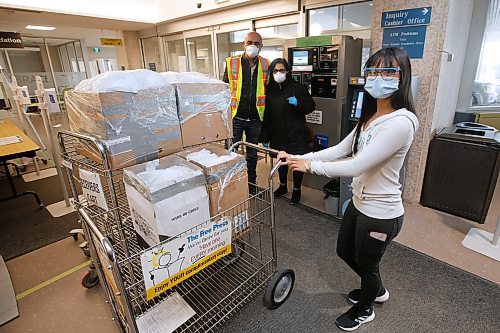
(167, 196)
(136, 125)
(204, 108)
(226, 176)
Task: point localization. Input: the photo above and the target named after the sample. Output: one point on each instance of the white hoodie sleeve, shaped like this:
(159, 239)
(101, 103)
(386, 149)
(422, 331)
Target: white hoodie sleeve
(344, 148)
(382, 146)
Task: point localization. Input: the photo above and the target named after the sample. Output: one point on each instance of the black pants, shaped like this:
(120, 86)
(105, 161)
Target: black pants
(297, 176)
(252, 133)
(358, 246)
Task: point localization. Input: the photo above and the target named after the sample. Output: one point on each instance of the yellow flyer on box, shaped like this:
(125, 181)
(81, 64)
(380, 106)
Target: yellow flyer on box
(170, 263)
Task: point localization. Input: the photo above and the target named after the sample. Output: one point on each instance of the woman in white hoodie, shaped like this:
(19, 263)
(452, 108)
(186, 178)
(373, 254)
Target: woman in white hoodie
(376, 148)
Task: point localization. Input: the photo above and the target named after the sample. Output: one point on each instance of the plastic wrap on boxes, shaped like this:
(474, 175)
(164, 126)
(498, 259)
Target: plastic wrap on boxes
(223, 176)
(166, 197)
(133, 112)
(226, 175)
(126, 81)
(204, 107)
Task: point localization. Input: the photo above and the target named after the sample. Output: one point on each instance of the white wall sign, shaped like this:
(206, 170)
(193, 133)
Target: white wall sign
(315, 117)
(24, 95)
(92, 189)
(51, 101)
(168, 264)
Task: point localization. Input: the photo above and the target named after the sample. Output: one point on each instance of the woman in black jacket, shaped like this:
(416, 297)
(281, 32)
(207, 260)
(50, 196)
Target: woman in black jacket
(284, 124)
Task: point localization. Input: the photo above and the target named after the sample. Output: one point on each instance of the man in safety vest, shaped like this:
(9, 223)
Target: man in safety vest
(247, 75)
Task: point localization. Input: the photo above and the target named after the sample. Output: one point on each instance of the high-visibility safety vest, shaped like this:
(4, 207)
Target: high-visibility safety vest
(235, 77)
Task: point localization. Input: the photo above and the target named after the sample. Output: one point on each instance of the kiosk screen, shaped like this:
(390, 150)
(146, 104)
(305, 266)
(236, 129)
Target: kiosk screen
(300, 58)
(359, 104)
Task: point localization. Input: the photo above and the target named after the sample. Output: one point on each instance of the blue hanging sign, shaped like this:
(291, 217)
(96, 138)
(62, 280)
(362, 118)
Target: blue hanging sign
(406, 17)
(411, 39)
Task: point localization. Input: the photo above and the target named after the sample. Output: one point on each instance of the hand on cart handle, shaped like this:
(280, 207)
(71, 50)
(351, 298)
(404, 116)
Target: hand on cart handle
(294, 163)
(283, 158)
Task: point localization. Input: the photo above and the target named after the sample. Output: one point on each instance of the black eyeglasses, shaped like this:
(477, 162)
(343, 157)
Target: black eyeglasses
(282, 71)
(249, 42)
(387, 73)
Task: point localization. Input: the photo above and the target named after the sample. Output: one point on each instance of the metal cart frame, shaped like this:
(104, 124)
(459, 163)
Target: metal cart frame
(216, 292)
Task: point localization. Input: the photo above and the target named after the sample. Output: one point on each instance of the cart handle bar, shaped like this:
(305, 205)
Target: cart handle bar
(99, 144)
(106, 244)
(264, 149)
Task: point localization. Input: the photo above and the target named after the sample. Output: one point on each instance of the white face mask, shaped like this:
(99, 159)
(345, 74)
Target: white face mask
(279, 77)
(380, 88)
(251, 51)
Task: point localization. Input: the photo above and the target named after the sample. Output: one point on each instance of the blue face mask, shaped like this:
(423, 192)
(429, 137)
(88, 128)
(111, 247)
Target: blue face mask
(381, 88)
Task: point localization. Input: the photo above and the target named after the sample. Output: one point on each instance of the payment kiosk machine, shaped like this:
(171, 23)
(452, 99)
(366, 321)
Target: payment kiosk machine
(324, 65)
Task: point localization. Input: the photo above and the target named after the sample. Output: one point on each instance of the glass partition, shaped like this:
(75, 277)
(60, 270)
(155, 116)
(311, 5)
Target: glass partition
(486, 85)
(200, 58)
(176, 55)
(59, 63)
(349, 19)
(328, 20)
(323, 21)
(273, 39)
(151, 54)
(229, 44)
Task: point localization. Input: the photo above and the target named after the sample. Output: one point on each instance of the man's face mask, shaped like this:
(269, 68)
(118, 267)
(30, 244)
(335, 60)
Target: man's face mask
(251, 51)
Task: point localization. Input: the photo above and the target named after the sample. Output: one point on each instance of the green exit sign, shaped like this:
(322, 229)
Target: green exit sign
(96, 50)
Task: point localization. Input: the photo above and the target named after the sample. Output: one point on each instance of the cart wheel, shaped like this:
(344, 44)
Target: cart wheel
(86, 252)
(75, 236)
(279, 288)
(90, 279)
(238, 247)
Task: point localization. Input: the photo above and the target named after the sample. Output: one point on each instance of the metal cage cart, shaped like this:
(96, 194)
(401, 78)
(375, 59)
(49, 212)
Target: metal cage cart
(201, 297)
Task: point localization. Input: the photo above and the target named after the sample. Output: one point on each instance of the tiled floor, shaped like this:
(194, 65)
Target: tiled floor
(62, 306)
(65, 306)
(434, 233)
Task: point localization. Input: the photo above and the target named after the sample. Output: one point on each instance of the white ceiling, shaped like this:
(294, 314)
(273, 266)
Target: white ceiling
(94, 19)
(144, 11)
(16, 20)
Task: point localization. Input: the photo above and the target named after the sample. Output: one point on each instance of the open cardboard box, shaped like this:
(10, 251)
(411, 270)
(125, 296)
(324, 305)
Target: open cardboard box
(227, 186)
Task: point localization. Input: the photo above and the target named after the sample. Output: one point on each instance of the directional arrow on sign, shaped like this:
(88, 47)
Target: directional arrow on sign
(425, 11)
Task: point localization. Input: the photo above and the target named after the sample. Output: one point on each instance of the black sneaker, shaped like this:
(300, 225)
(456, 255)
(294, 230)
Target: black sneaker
(355, 295)
(295, 197)
(354, 318)
(282, 189)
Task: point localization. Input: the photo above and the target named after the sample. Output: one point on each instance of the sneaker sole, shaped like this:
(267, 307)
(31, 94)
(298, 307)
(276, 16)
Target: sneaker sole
(350, 329)
(378, 299)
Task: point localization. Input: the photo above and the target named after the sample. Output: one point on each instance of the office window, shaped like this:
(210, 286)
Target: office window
(351, 19)
(323, 20)
(151, 54)
(486, 86)
(329, 20)
(274, 38)
(229, 44)
(176, 55)
(357, 15)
